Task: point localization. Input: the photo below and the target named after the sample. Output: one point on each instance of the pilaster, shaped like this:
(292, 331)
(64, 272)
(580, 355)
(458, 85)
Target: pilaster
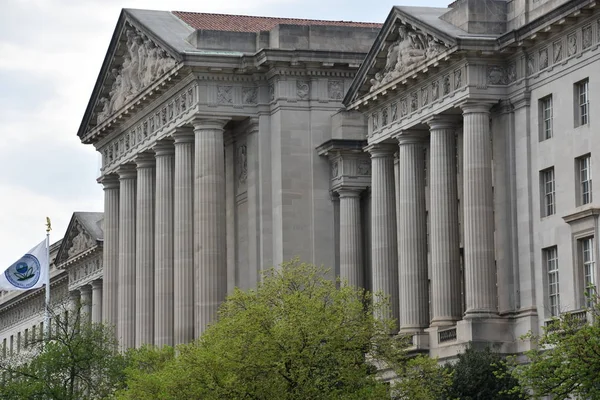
(97, 300)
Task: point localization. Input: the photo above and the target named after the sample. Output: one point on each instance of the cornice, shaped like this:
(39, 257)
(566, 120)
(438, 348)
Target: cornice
(590, 212)
(79, 257)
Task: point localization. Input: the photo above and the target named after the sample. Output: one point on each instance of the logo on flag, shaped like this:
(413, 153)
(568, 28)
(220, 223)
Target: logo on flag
(25, 273)
(29, 272)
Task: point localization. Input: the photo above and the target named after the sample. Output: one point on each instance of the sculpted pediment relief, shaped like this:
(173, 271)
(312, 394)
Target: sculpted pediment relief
(412, 48)
(78, 238)
(143, 62)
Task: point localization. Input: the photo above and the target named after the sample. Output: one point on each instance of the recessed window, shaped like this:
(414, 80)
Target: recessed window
(582, 101)
(548, 194)
(584, 174)
(588, 269)
(551, 263)
(546, 117)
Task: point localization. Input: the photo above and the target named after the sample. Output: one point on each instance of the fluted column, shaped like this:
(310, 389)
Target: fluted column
(183, 237)
(351, 253)
(384, 246)
(110, 251)
(443, 217)
(97, 297)
(210, 264)
(144, 256)
(412, 235)
(74, 305)
(126, 287)
(164, 288)
(86, 303)
(480, 270)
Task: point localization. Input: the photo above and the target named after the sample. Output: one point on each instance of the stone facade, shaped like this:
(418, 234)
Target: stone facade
(444, 158)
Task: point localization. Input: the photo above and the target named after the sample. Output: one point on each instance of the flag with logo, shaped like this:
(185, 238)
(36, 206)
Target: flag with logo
(29, 272)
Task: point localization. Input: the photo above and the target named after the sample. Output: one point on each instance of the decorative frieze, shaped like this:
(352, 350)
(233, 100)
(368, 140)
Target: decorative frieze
(543, 58)
(85, 272)
(558, 51)
(335, 89)
(586, 37)
(302, 89)
(225, 94)
(572, 44)
(141, 132)
(250, 95)
(242, 164)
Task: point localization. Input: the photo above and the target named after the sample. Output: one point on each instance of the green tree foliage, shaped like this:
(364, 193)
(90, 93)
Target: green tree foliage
(566, 363)
(80, 360)
(297, 336)
(482, 375)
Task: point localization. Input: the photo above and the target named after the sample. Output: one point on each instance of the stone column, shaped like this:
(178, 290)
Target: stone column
(74, 305)
(97, 301)
(210, 263)
(384, 253)
(351, 254)
(412, 235)
(86, 303)
(144, 256)
(164, 288)
(183, 236)
(110, 251)
(126, 291)
(443, 217)
(480, 270)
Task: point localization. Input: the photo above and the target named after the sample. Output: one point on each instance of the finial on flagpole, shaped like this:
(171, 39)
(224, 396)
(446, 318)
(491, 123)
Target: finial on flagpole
(48, 225)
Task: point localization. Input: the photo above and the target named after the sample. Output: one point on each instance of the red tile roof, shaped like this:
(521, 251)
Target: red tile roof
(246, 23)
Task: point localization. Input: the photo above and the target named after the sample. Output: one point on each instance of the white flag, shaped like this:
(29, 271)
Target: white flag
(29, 272)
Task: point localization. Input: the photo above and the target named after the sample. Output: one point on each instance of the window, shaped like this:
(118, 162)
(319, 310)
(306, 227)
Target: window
(582, 101)
(584, 167)
(546, 117)
(589, 266)
(547, 189)
(551, 263)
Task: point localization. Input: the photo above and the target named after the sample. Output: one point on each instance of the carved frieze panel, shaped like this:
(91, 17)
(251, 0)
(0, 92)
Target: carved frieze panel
(225, 94)
(114, 151)
(572, 44)
(384, 117)
(335, 89)
(411, 49)
(557, 48)
(250, 95)
(143, 63)
(586, 37)
(543, 58)
(364, 168)
(242, 164)
(302, 89)
(496, 75)
(85, 271)
(394, 108)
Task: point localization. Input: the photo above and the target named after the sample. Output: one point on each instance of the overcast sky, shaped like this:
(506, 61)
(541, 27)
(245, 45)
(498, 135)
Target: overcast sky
(50, 55)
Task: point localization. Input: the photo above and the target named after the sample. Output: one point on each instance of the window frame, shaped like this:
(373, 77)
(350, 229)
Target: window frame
(548, 198)
(584, 183)
(552, 279)
(582, 102)
(546, 111)
(588, 268)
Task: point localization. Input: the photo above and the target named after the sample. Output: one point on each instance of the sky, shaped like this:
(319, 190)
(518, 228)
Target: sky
(50, 54)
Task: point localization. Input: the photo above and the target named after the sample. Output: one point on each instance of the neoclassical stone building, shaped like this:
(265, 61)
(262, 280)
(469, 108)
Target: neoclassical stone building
(444, 158)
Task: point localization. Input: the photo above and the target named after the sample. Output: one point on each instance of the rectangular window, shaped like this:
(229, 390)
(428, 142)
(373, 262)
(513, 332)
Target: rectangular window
(4, 347)
(589, 269)
(26, 339)
(584, 166)
(546, 117)
(551, 263)
(547, 189)
(582, 101)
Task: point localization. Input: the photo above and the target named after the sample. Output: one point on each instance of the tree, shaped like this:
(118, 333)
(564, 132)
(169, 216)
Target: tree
(79, 360)
(482, 374)
(297, 336)
(566, 362)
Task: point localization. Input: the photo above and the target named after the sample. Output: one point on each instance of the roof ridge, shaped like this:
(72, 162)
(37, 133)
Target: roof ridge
(281, 18)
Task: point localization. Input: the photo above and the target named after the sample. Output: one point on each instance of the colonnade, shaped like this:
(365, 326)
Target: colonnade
(399, 251)
(89, 297)
(164, 238)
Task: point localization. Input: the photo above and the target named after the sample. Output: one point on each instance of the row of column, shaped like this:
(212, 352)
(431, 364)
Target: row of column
(89, 297)
(399, 254)
(164, 246)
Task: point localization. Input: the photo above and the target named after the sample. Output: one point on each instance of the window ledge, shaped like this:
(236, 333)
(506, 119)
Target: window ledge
(583, 212)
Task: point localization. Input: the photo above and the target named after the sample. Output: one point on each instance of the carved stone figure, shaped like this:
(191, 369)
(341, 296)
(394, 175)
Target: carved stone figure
(446, 85)
(424, 96)
(302, 89)
(143, 63)
(364, 168)
(394, 108)
(530, 65)
(572, 44)
(414, 102)
(543, 58)
(586, 40)
(403, 107)
(435, 90)
(242, 162)
(80, 242)
(458, 78)
(410, 49)
(558, 50)
(496, 75)
(384, 117)
(511, 73)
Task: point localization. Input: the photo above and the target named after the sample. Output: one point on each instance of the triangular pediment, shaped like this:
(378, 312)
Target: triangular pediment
(410, 38)
(84, 233)
(136, 58)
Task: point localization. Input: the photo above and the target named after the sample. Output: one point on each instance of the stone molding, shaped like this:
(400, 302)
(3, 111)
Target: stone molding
(350, 166)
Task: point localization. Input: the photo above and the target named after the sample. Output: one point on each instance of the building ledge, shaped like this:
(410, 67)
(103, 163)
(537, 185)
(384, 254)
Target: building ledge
(588, 212)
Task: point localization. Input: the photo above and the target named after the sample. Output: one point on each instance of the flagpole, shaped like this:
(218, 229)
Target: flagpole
(47, 308)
